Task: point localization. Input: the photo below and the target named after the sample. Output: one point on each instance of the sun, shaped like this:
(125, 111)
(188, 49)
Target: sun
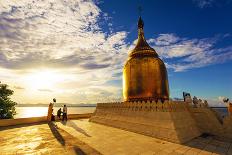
(44, 79)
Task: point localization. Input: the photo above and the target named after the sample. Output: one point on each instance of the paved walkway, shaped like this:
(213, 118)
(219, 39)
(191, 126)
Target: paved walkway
(38, 139)
(113, 141)
(83, 137)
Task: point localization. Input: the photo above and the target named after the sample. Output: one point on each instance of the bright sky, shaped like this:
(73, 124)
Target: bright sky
(74, 50)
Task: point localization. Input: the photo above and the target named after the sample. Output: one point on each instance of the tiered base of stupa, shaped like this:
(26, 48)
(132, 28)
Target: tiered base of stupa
(171, 121)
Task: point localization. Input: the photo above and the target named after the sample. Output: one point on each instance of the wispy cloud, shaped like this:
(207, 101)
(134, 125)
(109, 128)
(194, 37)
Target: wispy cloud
(45, 90)
(182, 54)
(204, 3)
(221, 98)
(18, 87)
(210, 3)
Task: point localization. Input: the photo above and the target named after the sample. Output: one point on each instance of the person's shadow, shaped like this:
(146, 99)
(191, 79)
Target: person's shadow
(78, 151)
(56, 133)
(74, 126)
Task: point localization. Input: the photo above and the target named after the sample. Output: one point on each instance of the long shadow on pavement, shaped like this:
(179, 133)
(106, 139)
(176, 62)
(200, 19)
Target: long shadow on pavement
(74, 126)
(78, 151)
(56, 133)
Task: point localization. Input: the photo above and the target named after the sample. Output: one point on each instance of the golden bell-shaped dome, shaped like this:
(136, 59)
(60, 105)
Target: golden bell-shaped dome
(144, 74)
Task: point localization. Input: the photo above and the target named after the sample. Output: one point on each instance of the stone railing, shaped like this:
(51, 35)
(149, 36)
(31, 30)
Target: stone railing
(173, 106)
(201, 105)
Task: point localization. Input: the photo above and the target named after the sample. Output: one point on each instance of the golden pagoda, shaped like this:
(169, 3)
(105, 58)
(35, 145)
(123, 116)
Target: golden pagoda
(144, 73)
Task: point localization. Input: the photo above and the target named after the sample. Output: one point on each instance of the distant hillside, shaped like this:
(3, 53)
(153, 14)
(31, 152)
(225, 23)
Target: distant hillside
(56, 105)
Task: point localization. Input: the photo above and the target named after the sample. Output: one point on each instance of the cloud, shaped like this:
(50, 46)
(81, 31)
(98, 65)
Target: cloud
(204, 3)
(65, 37)
(215, 103)
(18, 87)
(210, 3)
(47, 33)
(165, 39)
(221, 98)
(45, 90)
(95, 66)
(182, 54)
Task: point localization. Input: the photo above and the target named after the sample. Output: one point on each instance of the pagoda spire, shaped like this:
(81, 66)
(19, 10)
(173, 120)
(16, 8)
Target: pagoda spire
(142, 47)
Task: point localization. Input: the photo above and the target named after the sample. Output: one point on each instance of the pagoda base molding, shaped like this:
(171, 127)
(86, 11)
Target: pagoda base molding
(171, 121)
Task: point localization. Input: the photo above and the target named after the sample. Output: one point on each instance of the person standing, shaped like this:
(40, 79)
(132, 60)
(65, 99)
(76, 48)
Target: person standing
(53, 119)
(59, 113)
(230, 109)
(50, 109)
(64, 113)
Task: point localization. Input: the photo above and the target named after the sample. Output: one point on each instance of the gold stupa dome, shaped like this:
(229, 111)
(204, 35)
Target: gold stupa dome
(144, 73)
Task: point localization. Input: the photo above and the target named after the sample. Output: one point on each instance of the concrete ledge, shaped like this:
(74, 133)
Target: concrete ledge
(78, 116)
(19, 121)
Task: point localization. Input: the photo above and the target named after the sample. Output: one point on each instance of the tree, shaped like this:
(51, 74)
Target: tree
(7, 107)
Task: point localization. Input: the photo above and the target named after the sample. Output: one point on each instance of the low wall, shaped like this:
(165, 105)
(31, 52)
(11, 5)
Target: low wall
(171, 120)
(19, 121)
(79, 116)
(208, 122)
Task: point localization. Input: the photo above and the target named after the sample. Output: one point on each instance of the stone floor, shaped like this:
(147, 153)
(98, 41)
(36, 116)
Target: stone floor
(83, 137)
(113, 141)
(40, 139)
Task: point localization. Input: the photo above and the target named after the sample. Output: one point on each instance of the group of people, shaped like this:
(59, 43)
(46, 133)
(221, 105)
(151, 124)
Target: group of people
(64, 112)
(51, 116)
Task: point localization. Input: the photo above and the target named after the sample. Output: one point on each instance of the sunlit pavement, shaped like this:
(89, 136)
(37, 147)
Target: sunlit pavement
(83, 137)
(113, 141)
(40, 139)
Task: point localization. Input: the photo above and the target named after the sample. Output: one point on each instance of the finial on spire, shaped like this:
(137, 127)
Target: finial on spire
(140, 22)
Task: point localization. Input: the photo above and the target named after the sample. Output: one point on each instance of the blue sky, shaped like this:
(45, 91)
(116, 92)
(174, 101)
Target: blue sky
(200, 19)
(75, 50)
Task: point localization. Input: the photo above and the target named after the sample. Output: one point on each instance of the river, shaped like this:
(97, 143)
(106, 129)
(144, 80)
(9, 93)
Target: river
(24, 112)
